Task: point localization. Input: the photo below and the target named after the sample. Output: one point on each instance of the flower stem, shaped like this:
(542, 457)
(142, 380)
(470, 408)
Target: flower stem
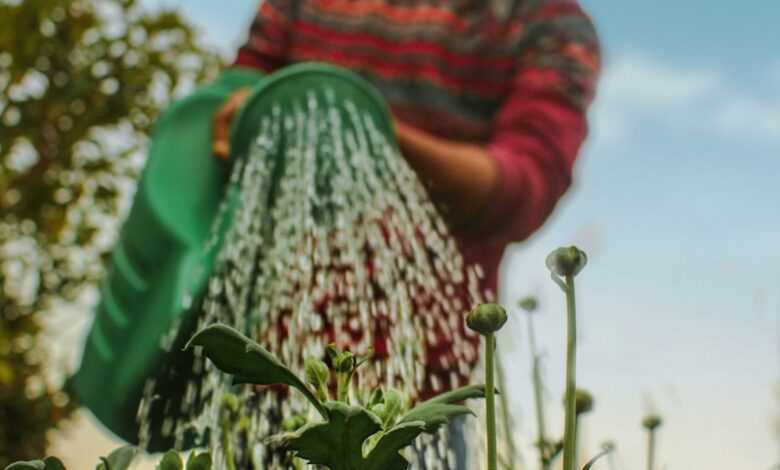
(512, 456)
(570, 431)
(227, 448)
(490, 387)
(538, 396)
(342, 387)
(651, 449)
(540, 421)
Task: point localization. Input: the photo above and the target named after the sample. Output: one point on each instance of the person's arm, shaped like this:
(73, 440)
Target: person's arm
(505, 190)
(460, 177)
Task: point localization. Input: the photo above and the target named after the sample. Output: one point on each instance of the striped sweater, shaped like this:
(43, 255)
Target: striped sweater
(514, 75)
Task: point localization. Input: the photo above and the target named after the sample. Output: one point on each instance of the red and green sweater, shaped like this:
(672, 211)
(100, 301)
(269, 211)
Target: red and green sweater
(517, 77)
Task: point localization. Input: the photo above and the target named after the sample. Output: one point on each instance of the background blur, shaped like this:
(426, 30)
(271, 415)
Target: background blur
(676, 202)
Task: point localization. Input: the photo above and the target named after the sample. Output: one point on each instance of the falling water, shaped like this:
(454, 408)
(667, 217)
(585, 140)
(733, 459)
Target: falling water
(334, 240)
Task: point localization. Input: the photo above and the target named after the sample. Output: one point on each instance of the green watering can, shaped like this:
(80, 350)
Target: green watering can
(161, 264)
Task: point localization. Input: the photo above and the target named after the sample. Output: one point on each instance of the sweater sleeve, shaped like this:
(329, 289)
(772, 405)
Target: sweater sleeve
(541, 125)
(268, 43)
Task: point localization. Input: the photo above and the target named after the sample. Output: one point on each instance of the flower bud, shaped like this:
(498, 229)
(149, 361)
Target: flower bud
(583, 402)
(486, 319)
(342, 361)
(293, 423)
(317, 372)
(170, 461)
(567, 261)
(345, 362)
(529, 304)
(200, 461)
(651, 422)
(229, 409)
(230, 403)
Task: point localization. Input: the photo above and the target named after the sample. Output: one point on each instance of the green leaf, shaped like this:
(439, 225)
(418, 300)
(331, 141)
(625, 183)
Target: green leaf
(385, 454)
(29, 465)
(170, 461)
(338, 442)
(53, 463)
(377, 397)
(439, 409)
(458, 395)
(392, 407)
(119, 459)
(199, 462)
(434, 414)
(249, 362)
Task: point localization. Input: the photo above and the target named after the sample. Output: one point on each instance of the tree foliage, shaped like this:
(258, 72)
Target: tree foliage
(81, 83)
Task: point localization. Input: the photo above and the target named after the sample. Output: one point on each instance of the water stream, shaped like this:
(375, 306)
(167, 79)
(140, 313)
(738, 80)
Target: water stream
(335, 240)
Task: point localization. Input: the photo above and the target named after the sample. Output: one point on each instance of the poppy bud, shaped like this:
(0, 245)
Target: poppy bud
(199, 462)
(170, 461)
(345, 362)
(342, 361)
(651, 422)
(486, 319)
(529, 304)
(567, 261)
(317, 372)
(293, 423)
(230, 403)
(583, 402)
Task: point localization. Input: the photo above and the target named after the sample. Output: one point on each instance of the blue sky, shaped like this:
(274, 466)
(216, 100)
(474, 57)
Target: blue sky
(676, 201)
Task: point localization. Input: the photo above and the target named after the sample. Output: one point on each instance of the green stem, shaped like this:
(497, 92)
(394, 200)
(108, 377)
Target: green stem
(651, 450)
(490, 397)
(227, 447)
(342, 387)
(578, 440)
(570, 437)
(505, 417)
(540, 422)
(538, 396)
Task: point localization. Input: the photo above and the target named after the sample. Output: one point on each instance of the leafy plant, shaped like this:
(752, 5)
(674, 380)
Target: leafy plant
(49, 463)
(122, 459)
(366, 436)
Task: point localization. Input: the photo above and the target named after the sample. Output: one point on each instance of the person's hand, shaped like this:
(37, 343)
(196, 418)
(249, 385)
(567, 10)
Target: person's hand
(223, 120)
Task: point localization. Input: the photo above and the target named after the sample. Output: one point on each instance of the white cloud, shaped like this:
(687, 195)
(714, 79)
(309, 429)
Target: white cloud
(648, 84)
(637, 90)
(748, 116)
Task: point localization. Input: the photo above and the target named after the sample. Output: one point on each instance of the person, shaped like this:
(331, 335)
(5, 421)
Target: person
(490, 106)
(489, 98)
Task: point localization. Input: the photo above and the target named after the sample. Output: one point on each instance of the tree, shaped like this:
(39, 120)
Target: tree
(81, 83)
